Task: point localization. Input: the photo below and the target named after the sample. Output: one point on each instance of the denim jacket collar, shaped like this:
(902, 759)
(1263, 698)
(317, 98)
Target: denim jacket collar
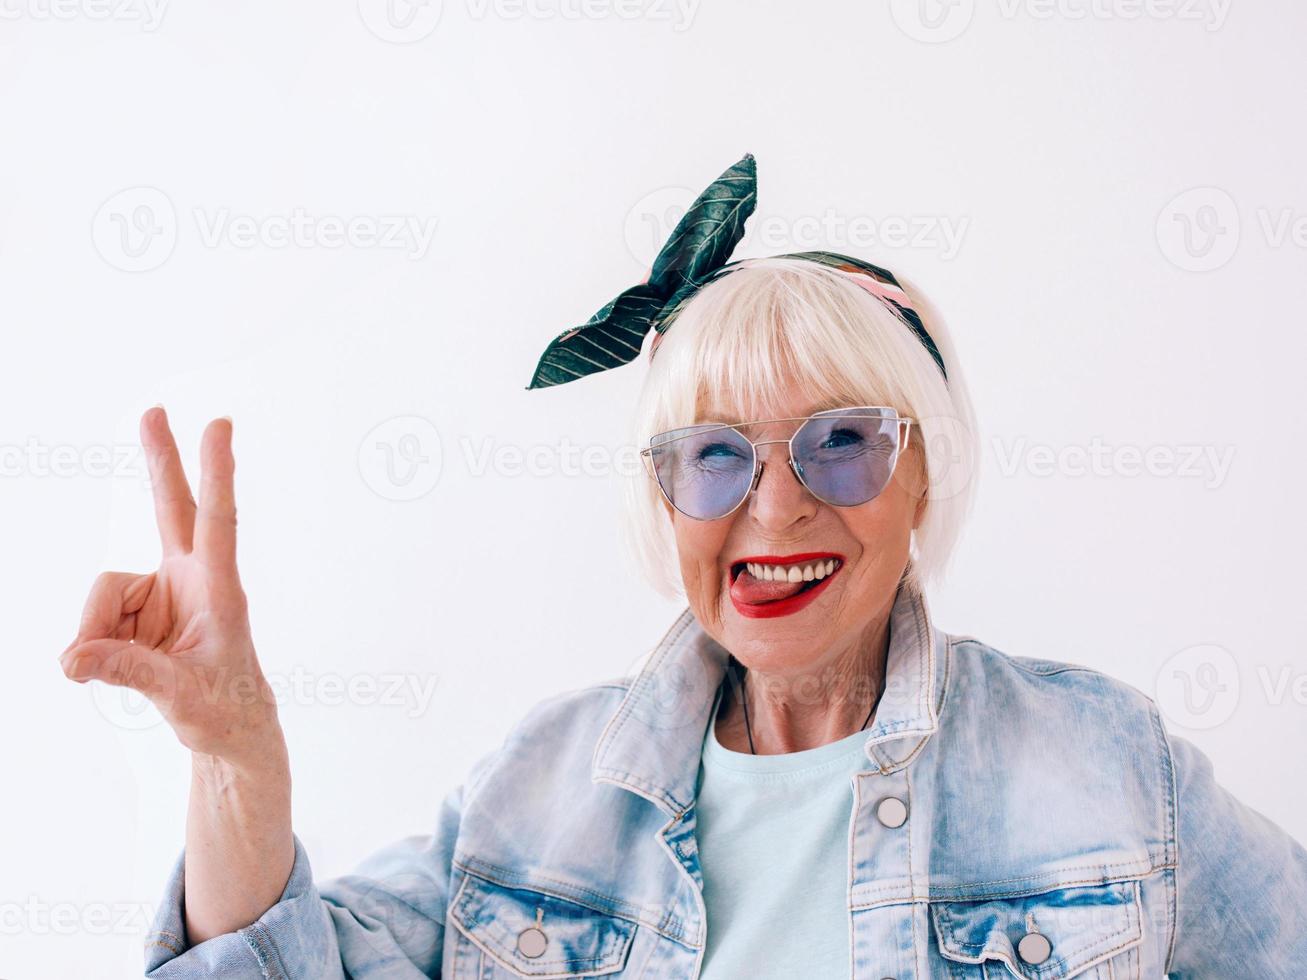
(652, 743)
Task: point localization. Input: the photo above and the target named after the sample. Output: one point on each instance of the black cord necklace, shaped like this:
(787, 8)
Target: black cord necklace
(744, 701)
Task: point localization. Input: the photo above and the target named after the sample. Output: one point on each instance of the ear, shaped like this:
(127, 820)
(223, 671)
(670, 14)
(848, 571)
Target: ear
(919, 512)
(921, 490)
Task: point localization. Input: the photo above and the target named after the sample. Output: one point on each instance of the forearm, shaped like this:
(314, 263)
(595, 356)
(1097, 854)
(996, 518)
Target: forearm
(239, 846)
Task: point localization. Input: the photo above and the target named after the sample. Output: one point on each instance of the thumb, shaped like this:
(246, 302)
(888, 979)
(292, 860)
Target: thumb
(121, 663)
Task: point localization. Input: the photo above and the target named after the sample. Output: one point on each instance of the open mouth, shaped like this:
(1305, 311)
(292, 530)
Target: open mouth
(767, 586)
(809, 573)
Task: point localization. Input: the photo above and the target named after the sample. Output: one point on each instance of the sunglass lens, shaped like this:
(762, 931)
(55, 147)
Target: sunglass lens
(705, 471)
(847, 459)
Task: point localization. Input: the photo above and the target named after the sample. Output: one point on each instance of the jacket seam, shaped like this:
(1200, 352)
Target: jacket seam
(160, 937)
(1012, 660)
(934, 900)
(1015, 892)
(265, 952)
(665, 647)
(1171, 796)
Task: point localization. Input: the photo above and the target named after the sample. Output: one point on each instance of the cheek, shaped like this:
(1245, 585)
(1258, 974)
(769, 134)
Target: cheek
(699, 546)
(884, 523)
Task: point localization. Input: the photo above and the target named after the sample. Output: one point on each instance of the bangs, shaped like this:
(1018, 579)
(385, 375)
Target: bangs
(747, 344)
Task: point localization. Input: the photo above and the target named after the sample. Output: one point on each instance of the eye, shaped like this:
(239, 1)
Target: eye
(716, 449)
(841, 438)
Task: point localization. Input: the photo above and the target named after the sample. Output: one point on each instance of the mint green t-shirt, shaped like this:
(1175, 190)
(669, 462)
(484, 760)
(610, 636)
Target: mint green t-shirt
(773, 837)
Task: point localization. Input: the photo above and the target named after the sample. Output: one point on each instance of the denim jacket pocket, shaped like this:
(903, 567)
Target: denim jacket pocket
(532, 934)
(1088, 932)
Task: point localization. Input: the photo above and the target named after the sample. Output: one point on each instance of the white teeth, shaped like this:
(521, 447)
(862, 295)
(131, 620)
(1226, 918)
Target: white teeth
(807, 572)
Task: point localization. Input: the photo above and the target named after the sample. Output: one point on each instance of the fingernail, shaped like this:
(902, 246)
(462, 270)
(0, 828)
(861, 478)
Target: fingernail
(226, 418)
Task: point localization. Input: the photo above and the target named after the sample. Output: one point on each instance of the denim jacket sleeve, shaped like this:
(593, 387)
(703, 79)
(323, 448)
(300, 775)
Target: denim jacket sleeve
(386, 920)
(1241, 882)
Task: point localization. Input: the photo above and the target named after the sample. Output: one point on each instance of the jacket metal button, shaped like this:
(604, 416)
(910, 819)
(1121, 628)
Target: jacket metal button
(531, 942)
(1034, 948)
(892, 812)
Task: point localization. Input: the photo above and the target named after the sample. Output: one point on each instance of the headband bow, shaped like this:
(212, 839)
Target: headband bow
(696, 253)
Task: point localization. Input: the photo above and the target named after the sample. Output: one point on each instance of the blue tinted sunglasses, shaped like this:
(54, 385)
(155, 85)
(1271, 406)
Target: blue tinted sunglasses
(844, 456)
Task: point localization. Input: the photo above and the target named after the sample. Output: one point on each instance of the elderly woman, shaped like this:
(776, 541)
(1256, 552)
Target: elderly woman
(807, 778)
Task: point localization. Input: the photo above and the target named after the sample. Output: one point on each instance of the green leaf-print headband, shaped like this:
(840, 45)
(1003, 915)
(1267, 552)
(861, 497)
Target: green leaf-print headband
(696, 253)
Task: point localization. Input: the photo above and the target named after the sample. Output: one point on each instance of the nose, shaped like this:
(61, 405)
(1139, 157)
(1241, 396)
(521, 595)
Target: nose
(778, 497)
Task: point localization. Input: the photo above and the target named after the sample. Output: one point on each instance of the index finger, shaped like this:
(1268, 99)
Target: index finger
(174, 507)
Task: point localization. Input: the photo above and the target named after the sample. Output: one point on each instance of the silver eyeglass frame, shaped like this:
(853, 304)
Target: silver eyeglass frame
(905, 430)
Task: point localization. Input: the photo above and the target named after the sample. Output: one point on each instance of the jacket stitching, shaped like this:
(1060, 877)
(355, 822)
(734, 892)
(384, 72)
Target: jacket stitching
(665, 647)
(265, 951)
(1073, 868)
(1171, 793)
(934, 898)
(162, 941)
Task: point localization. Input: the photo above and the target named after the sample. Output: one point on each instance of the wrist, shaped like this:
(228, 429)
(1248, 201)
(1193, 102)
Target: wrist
(261, 764)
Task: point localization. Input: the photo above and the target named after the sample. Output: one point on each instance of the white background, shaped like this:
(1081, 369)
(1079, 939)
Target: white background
(1096, 299)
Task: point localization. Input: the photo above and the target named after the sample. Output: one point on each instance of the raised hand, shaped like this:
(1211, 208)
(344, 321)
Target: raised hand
(180, 635)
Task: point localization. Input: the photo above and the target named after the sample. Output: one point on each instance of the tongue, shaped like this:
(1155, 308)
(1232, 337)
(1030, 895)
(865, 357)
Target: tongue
(746, 588)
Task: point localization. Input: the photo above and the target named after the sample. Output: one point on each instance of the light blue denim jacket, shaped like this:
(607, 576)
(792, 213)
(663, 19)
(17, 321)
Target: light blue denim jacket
(1054, 829)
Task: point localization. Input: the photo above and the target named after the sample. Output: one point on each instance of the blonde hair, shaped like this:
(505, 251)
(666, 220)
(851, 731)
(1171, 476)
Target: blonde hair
(737, 342)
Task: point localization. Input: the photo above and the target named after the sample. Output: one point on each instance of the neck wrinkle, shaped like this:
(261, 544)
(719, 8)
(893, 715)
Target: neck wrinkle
(780, 725)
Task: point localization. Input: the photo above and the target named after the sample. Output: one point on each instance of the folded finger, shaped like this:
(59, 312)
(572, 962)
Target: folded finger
(115, 597)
